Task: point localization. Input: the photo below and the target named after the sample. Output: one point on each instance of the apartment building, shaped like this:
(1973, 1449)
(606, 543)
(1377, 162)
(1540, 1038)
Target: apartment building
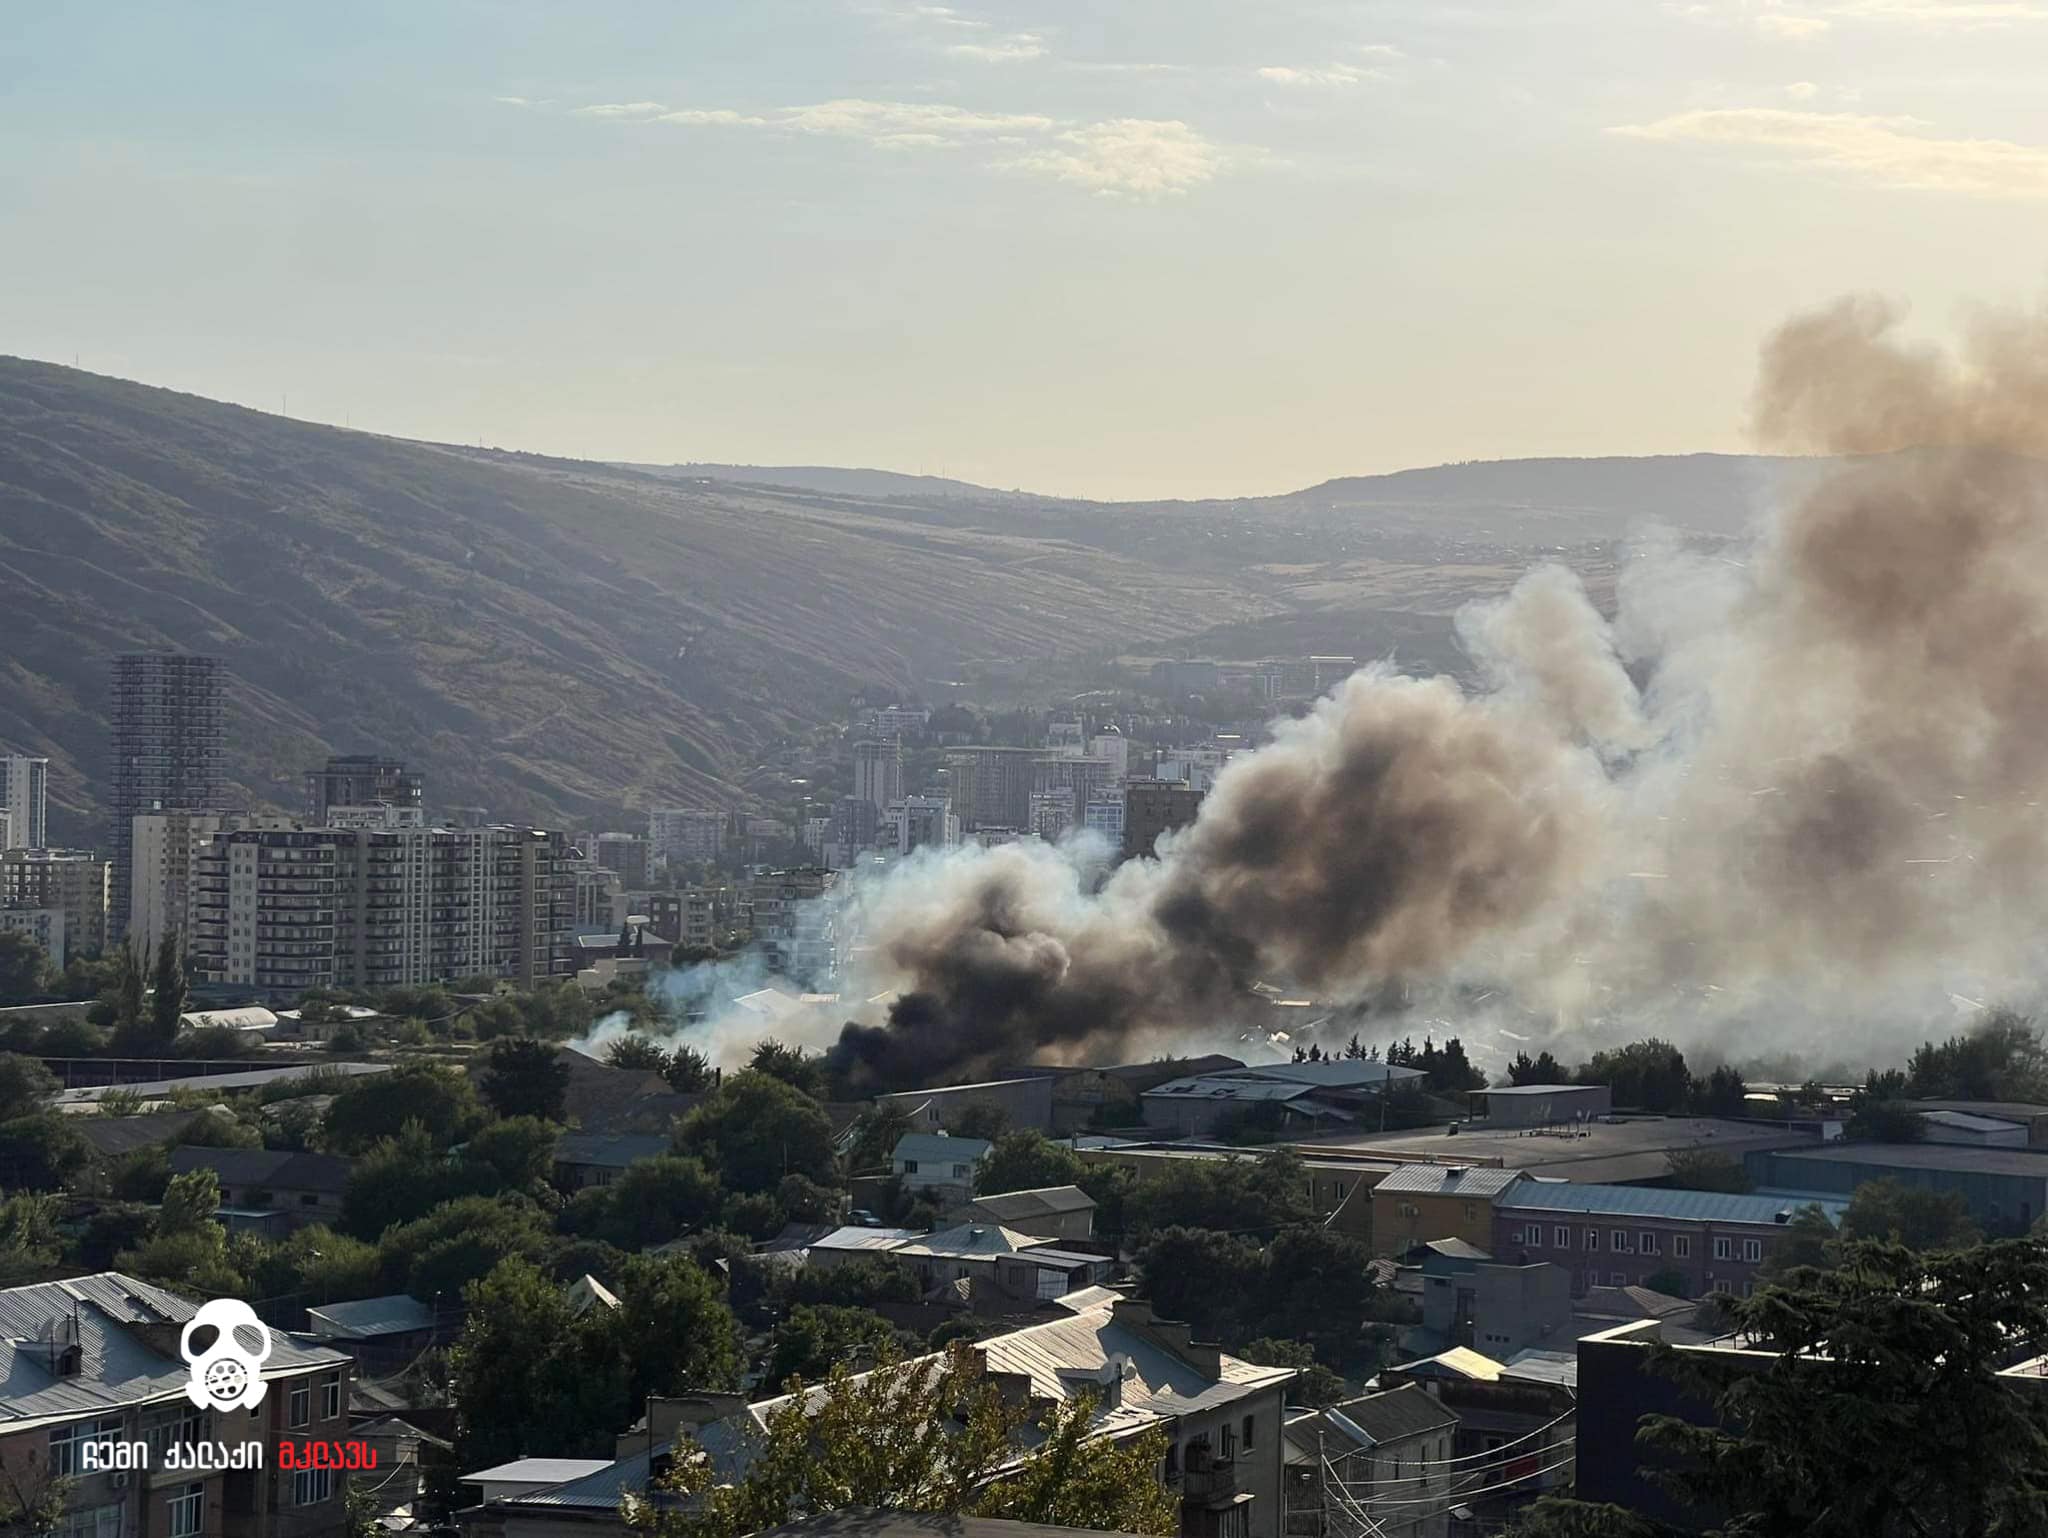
(878, 772)
(71, 881)
(362, 779)
(1153, 807)
(1624, 1236)
(678, 835)
(24, 797)
(168, 718)
(796, 933)
(95, 1359)
(284, 910)
(45, 926)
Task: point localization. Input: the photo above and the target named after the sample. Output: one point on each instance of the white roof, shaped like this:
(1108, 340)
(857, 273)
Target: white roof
(537, 1471)
(248, 1018)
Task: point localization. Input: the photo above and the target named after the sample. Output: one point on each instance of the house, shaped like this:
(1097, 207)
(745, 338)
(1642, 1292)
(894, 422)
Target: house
(1421, 1202)
(401, 1453)
(2026, 1114)
(1515, 1431)
(2006, 1188)
(837, 1246)
(1305, 1098)
(1222, 1419)
(382, 1334)
(1542, 1105)
(1497, 1307)
(601, 1098)
(96, 1359)
(1690, 1242)
(522, 1476)
(253, 1023)
(271, 1191)
(1048, 1212)
(997, 1260)
(941, 1165)
(1386, 1458)
(598, 1158)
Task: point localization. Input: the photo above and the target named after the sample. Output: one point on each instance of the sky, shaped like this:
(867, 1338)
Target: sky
(1114, 248)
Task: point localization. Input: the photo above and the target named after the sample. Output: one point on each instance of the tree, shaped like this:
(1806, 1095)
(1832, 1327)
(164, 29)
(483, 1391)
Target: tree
(167, 998)
(375, 1106)
(929, 1436)
(1542, 1069)
(638, 1054)
(25, 1086)
(688, 1071)
(756, 1129)
(672, 1329)
(1317, 1386)
(1808, 1240)
(1884, 1121)
(1202, 1278)
(625, 945)
(128, 989)
(652, 1202)
(190, 1202)
(39, 1152)
(1912, 1216)
(875, 1137)
(1648, 1075)
(524, 1382)
(1720, 1093)
(400, 1179)
(24, 969)
(791, 1066)
(1244, 1195)
(1026, 1161)
(1873, 1418)
(524, 1076)
(816, 1335)
(1999, 1058)
(517, 1152)
(457, 1243)
(33, 1498)
(1706, 1169)
(1453, 1073)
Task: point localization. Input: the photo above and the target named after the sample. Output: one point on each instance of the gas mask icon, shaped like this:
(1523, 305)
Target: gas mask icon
(225, 1376)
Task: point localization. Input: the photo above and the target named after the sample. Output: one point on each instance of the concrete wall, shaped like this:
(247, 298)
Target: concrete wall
(1564, 1103)
(1403, 1219)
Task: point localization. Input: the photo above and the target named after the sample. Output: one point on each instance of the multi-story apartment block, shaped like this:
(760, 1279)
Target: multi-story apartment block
(708, 913)
(284, 910)
(796, 933)
(72, 881)
(1104, 817)
(362, 779)
(878, 772)
(168, 719)
(45, 926)
(685, 836)
(160, 881)
(924, 820)
(1052, 813)
(992, 786)
(96, 1360)
(1152, 807)
(625, 853)
(24, 795)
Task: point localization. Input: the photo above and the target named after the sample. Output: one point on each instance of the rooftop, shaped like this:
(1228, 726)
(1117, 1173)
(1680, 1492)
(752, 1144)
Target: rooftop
(277, 1169)
(1930, 1156)
(1535, 1089)
(368, 1318)
(1228, 1087)
(1632, 1148)
(1392, 1416)
(609, 1150)
(1963, 1121)
(969, 1241)
(1331, 1073)
(1449, 1180)
(1657, 1202)
(536, 1471)
(2010, 1110)
(249, 1078)
(940, 1149)
(1040, 1202)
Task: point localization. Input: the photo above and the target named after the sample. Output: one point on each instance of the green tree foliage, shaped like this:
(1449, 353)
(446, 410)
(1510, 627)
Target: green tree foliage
(24, 970)
(1706, 1169)
(815, 1336)
(401, 1178)
(167, 998)
(441, 1100)
(638, 1054)
(1881, 1414)
(1027, 1161)
(1317, 1386)
(39, 1151)
(457, 1243)
(1249, 1195)
(524, 1076)
(1720, 1093)
(875, 1137)
(316, 1265)
(1808, 1240)
(755, 1129)
(652, 1202)
(30, 1243)
(688, 1071)
(1876, 1120)
(857, 1284)
(789, 1064)
(190, 1201)
(2000, 1058)
(672, 1329)
(1541, 1069)
(519, 1151)
(1560, 1516)
(1911, 1216)
(805, 1201)
(1648, 1075)
(25, 1085)
(924, 1436)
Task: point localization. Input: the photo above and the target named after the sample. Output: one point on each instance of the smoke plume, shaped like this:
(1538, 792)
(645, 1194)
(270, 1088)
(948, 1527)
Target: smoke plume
(1785, 796)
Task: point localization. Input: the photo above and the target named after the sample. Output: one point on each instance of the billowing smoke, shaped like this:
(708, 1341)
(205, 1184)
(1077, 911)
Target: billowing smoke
(1784, 799)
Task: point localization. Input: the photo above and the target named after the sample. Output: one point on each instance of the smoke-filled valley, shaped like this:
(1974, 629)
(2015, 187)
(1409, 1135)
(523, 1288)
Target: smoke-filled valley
(1783, 798)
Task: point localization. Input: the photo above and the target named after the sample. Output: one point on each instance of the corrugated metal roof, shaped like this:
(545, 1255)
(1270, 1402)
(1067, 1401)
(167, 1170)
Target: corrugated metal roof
(1537, 1366)
(251, 1078)
(537, 1471)
(970, 1241)
(1458, 1362)
(609, 1150)
(1449, 1180)
(1332, 1073)
(366, 1318)
(1962, 1121)
(1043, 1202)
(1542, 1089)
(940, 1149)
(1652, 1202)
(1392, 1416)
(1228, 1089)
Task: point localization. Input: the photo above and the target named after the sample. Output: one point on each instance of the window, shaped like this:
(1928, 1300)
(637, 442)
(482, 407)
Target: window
(91, 1522)
(312, 1486)
(1646, 1243)
(1249, 1423)
(301, 1406)
(182, 1425)
(1561, 1237)
(1724, 1249)
(330, 1397)
(910, 1166)
(1618, 1241)
(1592, 1238)
(187, 1507)
(960, 1171)
(1752, 1250)
(1681, 1247)
(66, 1440)
(1226, 1443)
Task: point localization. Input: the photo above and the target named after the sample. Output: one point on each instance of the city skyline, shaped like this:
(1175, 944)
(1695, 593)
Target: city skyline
(1276, 246)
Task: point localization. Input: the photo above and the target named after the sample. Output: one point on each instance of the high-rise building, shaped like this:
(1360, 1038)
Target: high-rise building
(1105, 816)
(685, 836)
(855, 824)
(1052, 812)
(992, 786)
(1086, 778)
(24, 794)
(878, 772)
(1151, 807)
(7, 829)
(797, 934)
(1114, 749)
(924, 820)
(160, 875)
(167, 718)
(361, 779)
(282, 910)
(45, 926)
(625, 853)
(72, 881)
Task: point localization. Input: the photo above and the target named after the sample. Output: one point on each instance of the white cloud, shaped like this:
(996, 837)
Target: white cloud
(625, 109)
(1802, 90)
(906, 125)
(512, 101)
(1381, 51)
(1323, 75)
(711, 117)
(1882, 151)
(1138, 158)
(1809, 19)
(1002, 50)
(1793, 28)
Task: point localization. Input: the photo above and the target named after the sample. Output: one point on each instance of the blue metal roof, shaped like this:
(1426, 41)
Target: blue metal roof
(1656, 1202)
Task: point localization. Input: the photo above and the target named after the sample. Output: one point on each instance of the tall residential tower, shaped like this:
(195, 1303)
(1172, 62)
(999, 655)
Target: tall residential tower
(167, 719)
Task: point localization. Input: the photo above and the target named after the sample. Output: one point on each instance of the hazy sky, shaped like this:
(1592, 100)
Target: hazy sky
(1115, 247)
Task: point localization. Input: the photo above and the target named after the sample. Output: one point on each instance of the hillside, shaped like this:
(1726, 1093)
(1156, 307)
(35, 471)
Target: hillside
(544, 638)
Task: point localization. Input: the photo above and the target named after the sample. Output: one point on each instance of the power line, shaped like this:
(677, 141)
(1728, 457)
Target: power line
(1457, 1496)
(1491, 1452)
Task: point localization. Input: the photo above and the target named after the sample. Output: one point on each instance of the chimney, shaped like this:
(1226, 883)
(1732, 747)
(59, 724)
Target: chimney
(1136, 1315)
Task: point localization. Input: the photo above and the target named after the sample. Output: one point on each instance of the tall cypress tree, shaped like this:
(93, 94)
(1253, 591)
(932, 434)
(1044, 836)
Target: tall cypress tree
(168, 1002)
